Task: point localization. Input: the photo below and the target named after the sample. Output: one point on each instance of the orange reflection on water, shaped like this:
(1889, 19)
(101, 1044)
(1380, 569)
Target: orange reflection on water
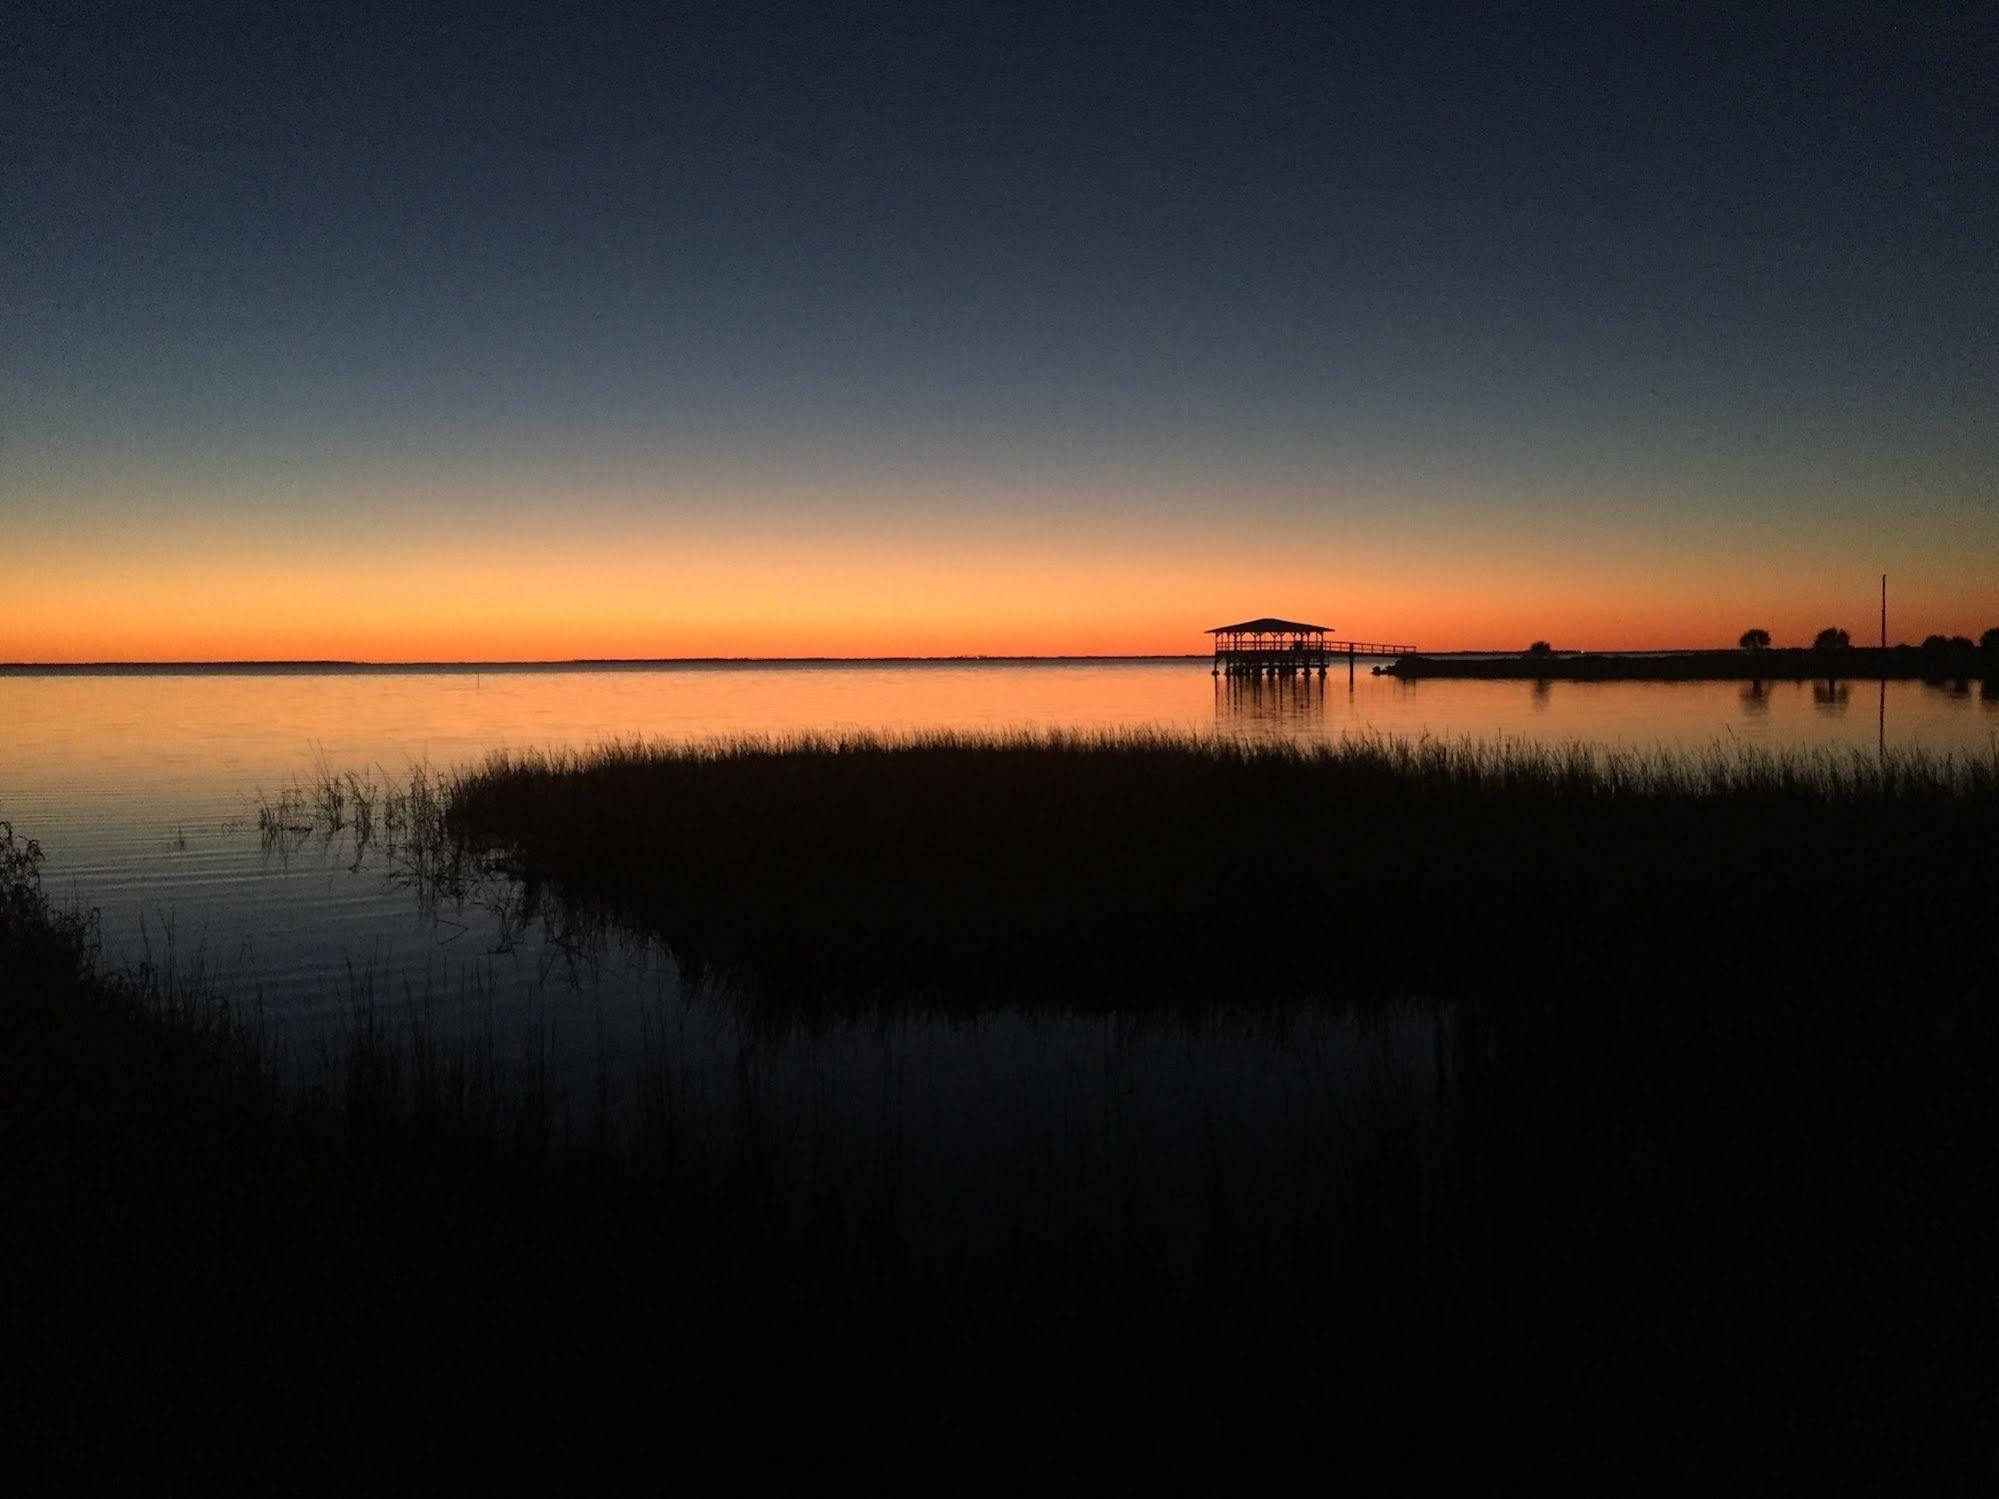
(214, 737)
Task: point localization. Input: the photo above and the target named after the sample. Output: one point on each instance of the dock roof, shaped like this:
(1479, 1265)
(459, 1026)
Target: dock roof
(1267, 626)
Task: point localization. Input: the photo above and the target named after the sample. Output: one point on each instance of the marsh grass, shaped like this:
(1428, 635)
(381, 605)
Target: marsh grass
(1095, 869)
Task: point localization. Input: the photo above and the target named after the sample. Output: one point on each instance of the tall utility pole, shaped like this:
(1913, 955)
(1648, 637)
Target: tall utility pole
(1881, 718)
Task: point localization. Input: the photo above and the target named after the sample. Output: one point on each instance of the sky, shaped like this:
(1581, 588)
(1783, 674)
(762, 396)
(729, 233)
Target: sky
(526, 333)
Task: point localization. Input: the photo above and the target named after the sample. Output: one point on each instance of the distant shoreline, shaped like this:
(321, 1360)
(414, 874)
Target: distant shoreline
(1795, 664)
(585, 663)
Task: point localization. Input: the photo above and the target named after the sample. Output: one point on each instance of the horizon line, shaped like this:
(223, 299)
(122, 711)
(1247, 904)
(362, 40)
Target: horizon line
(23, 668)
(345, 664)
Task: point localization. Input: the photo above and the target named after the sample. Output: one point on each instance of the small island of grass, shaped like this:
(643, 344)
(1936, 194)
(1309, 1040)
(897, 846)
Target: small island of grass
(1145, 868)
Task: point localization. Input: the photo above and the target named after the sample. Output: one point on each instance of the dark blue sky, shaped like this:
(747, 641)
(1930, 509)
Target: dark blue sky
(1576, 267)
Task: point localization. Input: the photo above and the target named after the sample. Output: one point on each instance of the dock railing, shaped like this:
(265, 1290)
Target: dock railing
(1286, 646)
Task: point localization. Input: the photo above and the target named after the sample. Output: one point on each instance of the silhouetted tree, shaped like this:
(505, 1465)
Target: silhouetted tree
(1539, 648)
(1989, 642)
(1946, 656)
(1755, 640)
(1832, 638)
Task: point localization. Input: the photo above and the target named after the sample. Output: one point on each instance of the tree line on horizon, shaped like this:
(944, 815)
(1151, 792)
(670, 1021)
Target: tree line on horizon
(1946, 647)
(1945, 653)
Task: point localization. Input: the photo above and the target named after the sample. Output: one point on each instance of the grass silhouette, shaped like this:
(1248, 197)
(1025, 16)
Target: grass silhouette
(1131, 868)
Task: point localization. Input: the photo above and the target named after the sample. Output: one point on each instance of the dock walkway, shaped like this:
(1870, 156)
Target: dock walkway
(1284, 647)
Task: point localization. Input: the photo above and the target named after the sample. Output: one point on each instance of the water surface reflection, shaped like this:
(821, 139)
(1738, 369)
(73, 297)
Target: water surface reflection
(1287, 707)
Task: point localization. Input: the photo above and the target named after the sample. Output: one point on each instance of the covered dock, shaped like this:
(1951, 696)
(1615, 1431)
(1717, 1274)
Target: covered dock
(1285, 647)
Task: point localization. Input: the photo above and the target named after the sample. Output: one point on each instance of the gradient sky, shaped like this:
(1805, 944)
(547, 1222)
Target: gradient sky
(844, 330)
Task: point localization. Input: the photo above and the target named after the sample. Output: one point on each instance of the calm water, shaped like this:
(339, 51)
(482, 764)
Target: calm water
(142, 786)
(142, 789)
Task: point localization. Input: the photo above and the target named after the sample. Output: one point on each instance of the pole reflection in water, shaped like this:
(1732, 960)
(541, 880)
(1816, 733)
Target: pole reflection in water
(1270, 705)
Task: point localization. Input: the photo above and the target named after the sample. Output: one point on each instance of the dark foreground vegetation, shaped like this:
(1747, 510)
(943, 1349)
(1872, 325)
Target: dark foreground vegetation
(1691, 1218)
(1142, 869)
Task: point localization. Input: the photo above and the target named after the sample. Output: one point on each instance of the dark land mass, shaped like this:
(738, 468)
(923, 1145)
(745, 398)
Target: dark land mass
(1870, 663)
(1711, 1212)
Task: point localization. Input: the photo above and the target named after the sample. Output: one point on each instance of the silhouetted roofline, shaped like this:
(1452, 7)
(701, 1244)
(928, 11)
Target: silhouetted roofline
(1268, 626)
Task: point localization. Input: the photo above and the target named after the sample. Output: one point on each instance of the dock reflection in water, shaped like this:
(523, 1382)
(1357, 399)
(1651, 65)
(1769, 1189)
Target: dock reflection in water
(1276, 705)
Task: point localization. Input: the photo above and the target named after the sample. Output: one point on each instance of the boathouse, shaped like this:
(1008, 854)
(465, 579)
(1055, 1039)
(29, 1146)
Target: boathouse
(1281, 647)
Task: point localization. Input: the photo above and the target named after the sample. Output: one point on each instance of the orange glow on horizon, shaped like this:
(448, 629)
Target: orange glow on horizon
(544, 600)
(457, 575)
